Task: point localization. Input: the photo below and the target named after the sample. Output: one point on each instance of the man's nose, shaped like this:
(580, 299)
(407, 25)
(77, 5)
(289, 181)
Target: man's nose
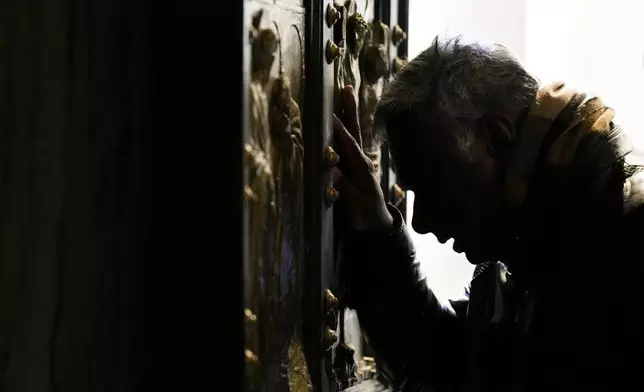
(420, 220)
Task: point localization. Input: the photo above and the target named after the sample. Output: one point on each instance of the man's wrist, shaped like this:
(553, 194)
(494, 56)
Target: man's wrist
(389, 223)
(396, 218)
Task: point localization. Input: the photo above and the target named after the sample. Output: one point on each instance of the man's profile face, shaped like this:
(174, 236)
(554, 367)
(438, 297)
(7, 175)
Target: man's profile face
(456, 196)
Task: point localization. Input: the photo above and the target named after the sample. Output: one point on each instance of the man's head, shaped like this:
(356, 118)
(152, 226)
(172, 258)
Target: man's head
(451, 118)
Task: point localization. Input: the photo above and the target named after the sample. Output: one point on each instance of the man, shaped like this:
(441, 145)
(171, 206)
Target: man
(532, 184)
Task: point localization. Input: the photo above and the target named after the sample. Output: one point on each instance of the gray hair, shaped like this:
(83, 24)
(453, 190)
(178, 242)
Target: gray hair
(456, 83)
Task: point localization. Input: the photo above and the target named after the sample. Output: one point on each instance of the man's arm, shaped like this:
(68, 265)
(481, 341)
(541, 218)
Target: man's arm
(415, 338)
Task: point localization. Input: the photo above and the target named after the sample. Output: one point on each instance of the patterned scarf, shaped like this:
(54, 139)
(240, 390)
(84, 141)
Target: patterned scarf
(564, 176)
(572, 116)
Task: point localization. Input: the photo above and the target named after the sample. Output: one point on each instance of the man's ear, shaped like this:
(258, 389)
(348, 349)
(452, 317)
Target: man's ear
(499, 132)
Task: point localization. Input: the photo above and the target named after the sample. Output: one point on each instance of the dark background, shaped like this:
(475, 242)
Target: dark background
(119, 202)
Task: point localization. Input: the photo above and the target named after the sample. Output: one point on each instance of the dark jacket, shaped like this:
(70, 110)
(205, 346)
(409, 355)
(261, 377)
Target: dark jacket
(565, 314)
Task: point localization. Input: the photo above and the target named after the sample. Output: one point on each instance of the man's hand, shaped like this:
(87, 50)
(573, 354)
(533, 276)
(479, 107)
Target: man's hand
(360, 194)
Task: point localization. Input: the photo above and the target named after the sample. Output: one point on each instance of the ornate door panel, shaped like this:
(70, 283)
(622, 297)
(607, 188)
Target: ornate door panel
(394, 13)
(274, 195)
(362, 63)
(319, 320)
(294, 340)
(363, 49)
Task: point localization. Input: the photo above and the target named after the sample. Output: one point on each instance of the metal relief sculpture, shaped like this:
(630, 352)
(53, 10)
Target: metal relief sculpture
(260, 195)
(350, 29)
(349, 34)
(360, 54)
(356, 29)
(374, 66)
(275, 204)
(398, 35)
(336, 51)
(288, 165)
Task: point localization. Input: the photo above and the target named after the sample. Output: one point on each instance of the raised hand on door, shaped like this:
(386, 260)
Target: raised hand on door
(361, 197)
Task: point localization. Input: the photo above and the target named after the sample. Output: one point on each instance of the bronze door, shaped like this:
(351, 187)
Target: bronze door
(395, 13)
(298, 55)
(274, 193)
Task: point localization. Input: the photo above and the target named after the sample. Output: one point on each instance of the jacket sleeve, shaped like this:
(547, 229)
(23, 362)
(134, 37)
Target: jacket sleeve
(417, 341)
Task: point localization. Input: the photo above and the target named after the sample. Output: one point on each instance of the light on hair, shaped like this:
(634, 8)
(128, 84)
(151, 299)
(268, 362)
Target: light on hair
(456, 83)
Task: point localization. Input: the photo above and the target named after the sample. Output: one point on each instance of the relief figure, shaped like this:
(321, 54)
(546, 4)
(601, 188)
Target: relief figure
(356, 29)
(349, 35)
(374, 67)
(261, 197)
(288, 168)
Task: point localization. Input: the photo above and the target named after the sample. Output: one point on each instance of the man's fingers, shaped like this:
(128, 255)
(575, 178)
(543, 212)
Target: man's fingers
(344, 138)
(351, 116)
(352, 159)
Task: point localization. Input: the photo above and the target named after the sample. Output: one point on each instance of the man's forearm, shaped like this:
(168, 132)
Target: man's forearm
(413, 335)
